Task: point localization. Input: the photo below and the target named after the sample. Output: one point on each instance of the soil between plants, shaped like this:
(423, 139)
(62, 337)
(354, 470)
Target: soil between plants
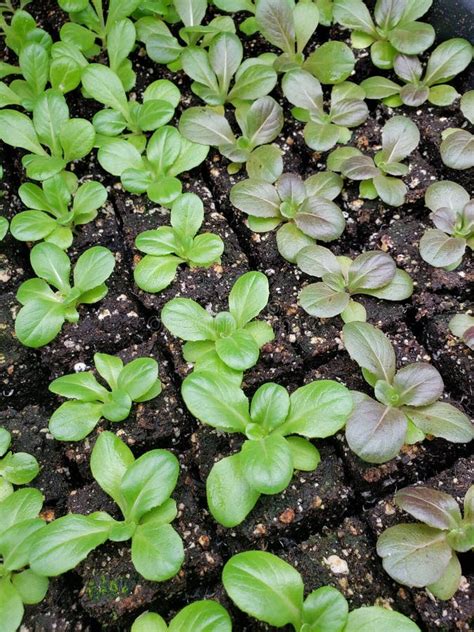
(326, 522)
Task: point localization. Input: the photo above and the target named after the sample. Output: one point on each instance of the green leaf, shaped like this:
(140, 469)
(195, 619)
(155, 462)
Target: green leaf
(457, 149)
(50, 263)
(186, 319)
(318, 409)
(375, 432)
(331, 63)
(370, 270)
(5, 440)
(83, 386)
(305, 456)
(38, 322)
(371, 349)
(104, 86)
(414, 554)
(153, 274)
(256, 197)
(400, 136)
(19, 468)
(138, 377)
(205, 250)
(467, 105)
(61, 545)
(321, 136)
(325, 610)
(447, 60)
(203, 125)
(187, 214)
(20, 505)
(201, 616)
(270, 406)
(15, 543)
(229, 496)
(110, 459)
(318, 261)
(248, 297)
(303, 90)
(118, 155)
(418, 384)
(442, 95)
(276, 24)
(31, 587)
(157, 551)
(448, 584)
(392, 191)
(73, 421)
(254, 81)
(436, 509)
(399, 289)
(412, 38)
(267, 464)
(238, 350)
(149, 622)
(148, 483)
(442, 420)
(32, 225)
(379, 88)
(321, 300)
(17, 130)
(354, 15)
(441, 250)
(290, 240)
(216, 402)
(376, 618)
(93, 267)
(265, 587)
(11, 606)
(262, 122)
(265, 163)
(320, 219)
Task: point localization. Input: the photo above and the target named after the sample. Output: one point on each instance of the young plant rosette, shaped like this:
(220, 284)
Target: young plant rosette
(141, 488)
(230, 341)
(406, 406)
(425, 553)
(278, 428)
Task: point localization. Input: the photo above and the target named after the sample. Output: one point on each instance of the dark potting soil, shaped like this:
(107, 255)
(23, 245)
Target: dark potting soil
(327, 521)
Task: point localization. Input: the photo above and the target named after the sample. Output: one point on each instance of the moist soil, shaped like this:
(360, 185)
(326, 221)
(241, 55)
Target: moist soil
(327, 521)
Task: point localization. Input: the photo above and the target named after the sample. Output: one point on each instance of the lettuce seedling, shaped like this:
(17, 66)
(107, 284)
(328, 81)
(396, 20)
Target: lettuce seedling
(424, 554)
(67, 139)
(17, 468)
(137, 381)
(323, 130)
(400, 136)
(200, 616)
(19, 584)
(230, 340)
(114, 30)
(141, 488)
(168, 153)
(159, 102)
(407, 408)
(56, 208)
(271, 590)
(289, 27)
(259, 124)
(371, 273)
(168, 247)
(462, 326)
(164, 48)
(304, 210)
(213, 71)
(457, 146)
(453, 215)
(445, 62)
(44, 310)
(395, 30)
(20, 31)
(277, 427)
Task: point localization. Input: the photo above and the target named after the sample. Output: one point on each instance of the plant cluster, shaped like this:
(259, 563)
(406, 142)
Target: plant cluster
(372, 273)
(230, 341)
(407, 406)
(277, 427)
(453, 215)
(168, 247)
(425, 553)
(304, 211)
(381, 175)
(142, 490)
(137, 381)
(16, 468)
(45, 310)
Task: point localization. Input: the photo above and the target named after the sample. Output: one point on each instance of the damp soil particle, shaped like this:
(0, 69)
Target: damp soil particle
(327, 521)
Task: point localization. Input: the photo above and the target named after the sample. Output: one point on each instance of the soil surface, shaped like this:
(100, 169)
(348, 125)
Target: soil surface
(327, 521)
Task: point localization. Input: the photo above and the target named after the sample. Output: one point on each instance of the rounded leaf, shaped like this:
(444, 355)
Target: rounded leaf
(153, 274)
(322, 301)
(331, 62)
(93, 268)
(186, 319)
(441, 250)
(442, 420)
(267, 464)
(418, 384)
(73, 421)
(201, 616)
(371, 349)
(375, 618)
(436, 509)
(256, 197)
(371, 270)
(248, 297)
(157, 551)
(239, 350)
